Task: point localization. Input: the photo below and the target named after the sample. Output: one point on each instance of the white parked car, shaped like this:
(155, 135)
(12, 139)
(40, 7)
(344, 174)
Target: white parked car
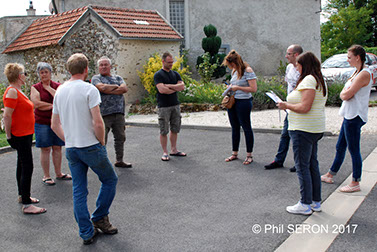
(337, 69)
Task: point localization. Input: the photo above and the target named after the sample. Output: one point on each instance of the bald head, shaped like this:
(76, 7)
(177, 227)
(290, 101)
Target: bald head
(296, 48)
(293, 51)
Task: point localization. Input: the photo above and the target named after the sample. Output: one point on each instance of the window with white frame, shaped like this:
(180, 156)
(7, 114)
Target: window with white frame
(177, 15)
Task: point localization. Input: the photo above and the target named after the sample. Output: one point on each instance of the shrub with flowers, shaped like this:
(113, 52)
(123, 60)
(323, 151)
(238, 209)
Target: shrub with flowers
(197, 92)
(154, 64)
(194, 92)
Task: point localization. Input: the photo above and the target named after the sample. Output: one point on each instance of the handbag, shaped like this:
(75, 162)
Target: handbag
(228, 101)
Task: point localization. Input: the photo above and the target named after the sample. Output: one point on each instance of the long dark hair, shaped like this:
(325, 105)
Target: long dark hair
(311, 66)
(240, 65)
(358, 50)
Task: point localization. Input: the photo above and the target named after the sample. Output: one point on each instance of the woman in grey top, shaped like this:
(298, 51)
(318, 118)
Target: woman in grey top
(243, 83)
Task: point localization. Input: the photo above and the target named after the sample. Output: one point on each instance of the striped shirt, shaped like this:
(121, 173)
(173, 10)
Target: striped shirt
(314, 120)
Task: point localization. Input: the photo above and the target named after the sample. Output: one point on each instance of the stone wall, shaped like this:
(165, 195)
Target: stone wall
(132, 55)
(10, 28)
(95, 41)
(90, 38)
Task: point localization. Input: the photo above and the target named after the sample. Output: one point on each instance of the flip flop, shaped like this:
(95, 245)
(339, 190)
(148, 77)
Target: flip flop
(165, 157)
(350, 189)
(178, 154)
(64, 177)
(45, 181)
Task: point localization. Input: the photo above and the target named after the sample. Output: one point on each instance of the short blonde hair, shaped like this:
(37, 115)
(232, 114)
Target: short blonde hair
(12, 71)
(77, 63)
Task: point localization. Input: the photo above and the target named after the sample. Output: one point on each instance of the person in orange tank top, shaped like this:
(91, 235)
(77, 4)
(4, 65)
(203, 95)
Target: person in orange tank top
(19, 129)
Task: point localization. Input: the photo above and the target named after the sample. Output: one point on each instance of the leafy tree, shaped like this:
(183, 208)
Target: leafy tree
(211, 45)
(368, 4)
(350, 25)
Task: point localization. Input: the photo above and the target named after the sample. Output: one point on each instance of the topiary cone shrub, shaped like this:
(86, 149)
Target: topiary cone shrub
(211, 44)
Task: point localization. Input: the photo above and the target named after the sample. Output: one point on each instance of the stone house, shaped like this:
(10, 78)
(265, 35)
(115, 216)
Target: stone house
(127, 36)
(259, 30)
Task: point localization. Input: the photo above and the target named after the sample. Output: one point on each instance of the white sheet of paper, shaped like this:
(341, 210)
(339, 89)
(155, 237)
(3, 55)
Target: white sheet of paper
(273, 96)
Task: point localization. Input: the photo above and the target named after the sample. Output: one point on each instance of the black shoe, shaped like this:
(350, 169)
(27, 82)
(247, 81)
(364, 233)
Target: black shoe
(293, 169)
(273, 165)
(122, 164)
(91, 239)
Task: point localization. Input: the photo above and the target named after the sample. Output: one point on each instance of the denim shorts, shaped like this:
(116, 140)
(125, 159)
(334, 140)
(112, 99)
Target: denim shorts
(45, 137)
(169, 115)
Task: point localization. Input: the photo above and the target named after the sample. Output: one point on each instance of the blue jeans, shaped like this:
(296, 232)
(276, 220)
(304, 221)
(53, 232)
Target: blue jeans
(305, 147)
(80, 159)
(349, 136)
(284, 143)
(239, 115)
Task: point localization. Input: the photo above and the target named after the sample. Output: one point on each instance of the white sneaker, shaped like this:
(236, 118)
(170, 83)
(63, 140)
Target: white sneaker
(300, 208)
(316, 206)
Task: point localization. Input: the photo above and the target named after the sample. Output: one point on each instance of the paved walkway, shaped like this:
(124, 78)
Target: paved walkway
(271, 120)
(199, 203)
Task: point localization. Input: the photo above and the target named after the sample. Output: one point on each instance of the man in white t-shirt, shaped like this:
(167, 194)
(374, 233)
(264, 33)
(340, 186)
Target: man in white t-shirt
(291, 77)
(77, 120)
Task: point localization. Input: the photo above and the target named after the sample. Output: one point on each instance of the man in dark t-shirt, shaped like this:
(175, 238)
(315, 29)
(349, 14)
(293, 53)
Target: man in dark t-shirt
(168, 83)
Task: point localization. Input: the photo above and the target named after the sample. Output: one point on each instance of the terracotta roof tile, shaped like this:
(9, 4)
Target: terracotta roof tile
(49, 30)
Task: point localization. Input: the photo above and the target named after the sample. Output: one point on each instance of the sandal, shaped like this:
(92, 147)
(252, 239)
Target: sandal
(178, 154)
(165, 157)
(350, 189)
(38, 210)
(327, 179)
(48, 181)
(64, 177)
(248, 160)
(231, 158)
(33, 200)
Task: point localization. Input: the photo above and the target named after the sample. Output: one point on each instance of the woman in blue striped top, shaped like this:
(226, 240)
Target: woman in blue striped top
(243, 83)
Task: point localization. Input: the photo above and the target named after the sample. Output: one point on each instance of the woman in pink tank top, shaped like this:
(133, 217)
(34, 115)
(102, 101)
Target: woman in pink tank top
(42, 95)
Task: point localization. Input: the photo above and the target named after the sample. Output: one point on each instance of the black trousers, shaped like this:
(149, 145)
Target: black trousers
(24, 165)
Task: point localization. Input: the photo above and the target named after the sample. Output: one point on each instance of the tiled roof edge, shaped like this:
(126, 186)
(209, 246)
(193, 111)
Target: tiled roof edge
(73, 26)
(94, 13)
(140, 38)
(125, 9)
(166, 21)
(17, 36)
(61, 14)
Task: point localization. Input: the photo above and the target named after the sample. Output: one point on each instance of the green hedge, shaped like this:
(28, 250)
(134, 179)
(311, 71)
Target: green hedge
(367, 49)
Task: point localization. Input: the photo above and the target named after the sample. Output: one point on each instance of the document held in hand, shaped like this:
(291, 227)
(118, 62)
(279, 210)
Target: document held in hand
(273, 96)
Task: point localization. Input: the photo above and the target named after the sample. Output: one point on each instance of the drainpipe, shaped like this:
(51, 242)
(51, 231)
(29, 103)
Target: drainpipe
(54, 6)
